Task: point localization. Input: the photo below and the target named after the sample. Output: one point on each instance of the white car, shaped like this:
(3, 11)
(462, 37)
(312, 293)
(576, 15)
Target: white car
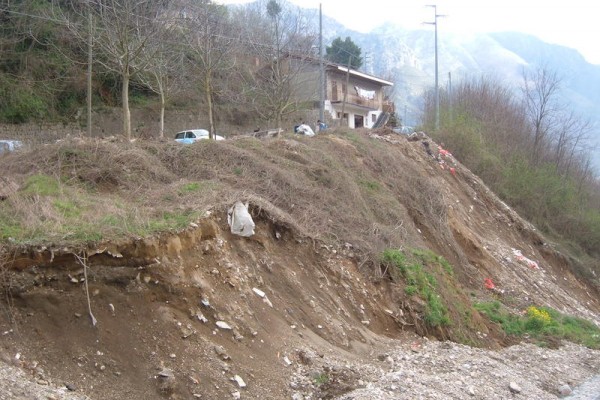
(193, 135)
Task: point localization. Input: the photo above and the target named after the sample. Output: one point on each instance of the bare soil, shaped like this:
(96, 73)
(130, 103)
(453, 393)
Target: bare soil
(157, 300)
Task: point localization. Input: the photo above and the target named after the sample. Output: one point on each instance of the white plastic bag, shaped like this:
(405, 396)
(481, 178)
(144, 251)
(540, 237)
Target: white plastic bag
(306, 130)
(239, 220)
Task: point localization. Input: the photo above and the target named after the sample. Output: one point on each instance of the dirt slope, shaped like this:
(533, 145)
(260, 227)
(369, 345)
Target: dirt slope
(296, 307)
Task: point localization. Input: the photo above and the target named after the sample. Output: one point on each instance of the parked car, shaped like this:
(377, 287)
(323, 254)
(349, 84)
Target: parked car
(193, 135)
(7, 146)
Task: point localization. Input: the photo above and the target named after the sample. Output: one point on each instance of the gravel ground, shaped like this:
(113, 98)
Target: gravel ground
(420, 369)
(443, 370)
(18, 383)
(589, 390)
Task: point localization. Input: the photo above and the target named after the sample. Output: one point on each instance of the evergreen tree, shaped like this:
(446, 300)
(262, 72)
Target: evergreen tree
(344, 52)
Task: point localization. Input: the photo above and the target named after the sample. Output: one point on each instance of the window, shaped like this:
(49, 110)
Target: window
(373, 118)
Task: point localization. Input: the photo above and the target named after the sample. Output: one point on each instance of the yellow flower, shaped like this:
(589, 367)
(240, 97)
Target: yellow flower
(538, 314)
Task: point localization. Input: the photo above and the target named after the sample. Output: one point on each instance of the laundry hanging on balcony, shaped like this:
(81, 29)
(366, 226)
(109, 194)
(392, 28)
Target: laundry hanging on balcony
(365, 94)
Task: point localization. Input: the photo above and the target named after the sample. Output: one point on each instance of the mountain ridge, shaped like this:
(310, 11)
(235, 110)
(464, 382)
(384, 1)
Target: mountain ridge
(407, 57)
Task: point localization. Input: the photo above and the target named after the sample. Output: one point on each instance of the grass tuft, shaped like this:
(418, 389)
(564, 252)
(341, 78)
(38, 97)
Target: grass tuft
(412, 269)
(543, 324)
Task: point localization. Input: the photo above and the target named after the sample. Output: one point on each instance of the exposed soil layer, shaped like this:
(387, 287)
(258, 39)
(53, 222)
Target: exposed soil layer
(203, 313)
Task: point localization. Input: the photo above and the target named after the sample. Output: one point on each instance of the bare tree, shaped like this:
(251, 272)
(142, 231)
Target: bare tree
(164, 73)
(570, 139)
(211, 42)
(540, 91)
(280, 82)
(122, 30)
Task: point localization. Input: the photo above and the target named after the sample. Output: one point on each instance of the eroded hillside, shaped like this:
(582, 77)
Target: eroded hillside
(137, 237)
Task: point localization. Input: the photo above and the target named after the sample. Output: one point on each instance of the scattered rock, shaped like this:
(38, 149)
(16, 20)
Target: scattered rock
(305, 357)
(205, 303)
(187, 331)
(565, 390)
(223, 325)
(238, 379)
(514, 387)
(201, 318)
(266, 300)
(220, 350)
(166, 373)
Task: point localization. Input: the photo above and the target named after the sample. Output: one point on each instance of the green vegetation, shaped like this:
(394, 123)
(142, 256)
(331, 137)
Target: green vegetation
(371, 186)
(45, 210)
(543, 324)
(344, 52)
(68, 208)
(19, 104)
(412, 269)
(168, 220)
(189, 188)
(321, 378)
(537, 162)
(41, 185)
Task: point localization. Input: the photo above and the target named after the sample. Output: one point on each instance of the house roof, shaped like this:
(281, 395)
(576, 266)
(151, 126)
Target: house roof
(333, 66)
(363, 75)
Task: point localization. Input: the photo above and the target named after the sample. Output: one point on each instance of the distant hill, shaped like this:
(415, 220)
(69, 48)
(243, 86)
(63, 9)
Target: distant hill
(407, 58)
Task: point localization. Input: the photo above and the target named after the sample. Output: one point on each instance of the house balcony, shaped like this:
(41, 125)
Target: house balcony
(356, 100)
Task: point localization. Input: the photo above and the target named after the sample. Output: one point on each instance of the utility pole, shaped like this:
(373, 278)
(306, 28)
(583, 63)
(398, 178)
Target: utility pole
(437, 88)
(450, 95)
(321, 69)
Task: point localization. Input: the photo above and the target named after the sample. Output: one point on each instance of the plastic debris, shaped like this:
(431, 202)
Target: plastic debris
(240, 220)
(530, 263)
(489, 284)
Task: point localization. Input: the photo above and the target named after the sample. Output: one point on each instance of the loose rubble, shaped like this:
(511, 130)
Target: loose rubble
(445, 370)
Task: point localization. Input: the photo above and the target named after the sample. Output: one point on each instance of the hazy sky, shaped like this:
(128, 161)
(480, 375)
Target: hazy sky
(573, 23)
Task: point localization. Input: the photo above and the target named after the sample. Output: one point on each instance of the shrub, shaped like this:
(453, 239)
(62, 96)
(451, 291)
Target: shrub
(412, 270)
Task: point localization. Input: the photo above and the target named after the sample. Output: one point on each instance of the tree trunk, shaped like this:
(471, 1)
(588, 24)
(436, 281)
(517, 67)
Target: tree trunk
(161, 134)
(126, 112)
(278, 120)
(209, 103)
(89, 76)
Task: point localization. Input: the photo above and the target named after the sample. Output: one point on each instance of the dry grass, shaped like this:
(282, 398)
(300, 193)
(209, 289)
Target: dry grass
(337, 188)
(341, 187)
